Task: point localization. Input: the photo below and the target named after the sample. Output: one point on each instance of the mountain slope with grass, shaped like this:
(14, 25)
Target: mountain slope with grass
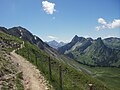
(112, 42)
(93, 52)
(15, 72)
(10, 76)
(32, 77)
(72, 78)
(26, 35)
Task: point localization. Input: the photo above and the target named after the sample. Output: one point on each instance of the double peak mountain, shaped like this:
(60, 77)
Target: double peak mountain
(98, 52)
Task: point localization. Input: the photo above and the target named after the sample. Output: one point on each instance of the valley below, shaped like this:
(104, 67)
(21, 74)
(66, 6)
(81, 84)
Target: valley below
(110, 76)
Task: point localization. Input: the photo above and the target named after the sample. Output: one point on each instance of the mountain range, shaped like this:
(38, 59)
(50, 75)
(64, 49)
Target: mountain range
(55, 44)
(88, 51)
(37, 52)
(25, 35)
(98, 52)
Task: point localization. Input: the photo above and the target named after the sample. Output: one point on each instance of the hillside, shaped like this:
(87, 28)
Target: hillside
(10, 75)
(32, 77)
(112, 42)
(93, 52)
(72, 77)
(15, 72)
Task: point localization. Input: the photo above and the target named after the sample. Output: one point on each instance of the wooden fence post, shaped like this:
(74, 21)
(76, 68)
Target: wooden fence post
(50, 73)
(90, 86)
(36, 59)
(60, 73)
(28, 54)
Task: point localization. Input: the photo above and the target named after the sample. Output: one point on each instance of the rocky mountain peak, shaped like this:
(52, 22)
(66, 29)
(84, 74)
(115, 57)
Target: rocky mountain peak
(76, 39)
(90, 39)
(3, 29)
(99, 42)
(99, 39)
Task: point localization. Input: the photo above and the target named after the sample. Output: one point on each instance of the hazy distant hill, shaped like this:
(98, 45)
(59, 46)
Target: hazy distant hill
(55, 44)
(93, 52)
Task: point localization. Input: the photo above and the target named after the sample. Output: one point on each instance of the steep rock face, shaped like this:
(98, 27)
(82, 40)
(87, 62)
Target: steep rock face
(3, 29)
(91, 52)
(101, 54)
(71, 45)
(84, 45)
(22, 33)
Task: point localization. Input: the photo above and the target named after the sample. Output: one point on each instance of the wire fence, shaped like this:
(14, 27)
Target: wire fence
(56, 73)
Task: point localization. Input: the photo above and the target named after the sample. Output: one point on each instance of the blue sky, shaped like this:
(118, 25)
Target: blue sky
(69, 18)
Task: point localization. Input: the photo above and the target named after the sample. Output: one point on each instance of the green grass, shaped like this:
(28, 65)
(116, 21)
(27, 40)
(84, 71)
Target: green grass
(9, 40)
(111, 76)
(72, 78)
(6, 66)
(19, 85)
(108, 75)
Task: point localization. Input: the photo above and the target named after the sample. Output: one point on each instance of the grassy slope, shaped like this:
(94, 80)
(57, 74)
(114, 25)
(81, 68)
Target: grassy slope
(9, 37)
(9, 40)
(7, 68)
(110, 76)
(72, 79)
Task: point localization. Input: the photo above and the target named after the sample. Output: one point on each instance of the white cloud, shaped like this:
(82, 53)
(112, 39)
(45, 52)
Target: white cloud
(102, 21)
(115, 23)
(48, 7)
(52, 37)
(112, 25)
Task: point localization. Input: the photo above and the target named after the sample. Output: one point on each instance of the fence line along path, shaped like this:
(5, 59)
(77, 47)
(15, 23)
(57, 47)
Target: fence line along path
(32, 79)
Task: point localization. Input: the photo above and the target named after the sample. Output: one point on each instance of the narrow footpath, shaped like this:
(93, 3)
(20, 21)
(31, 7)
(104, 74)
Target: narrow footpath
(32, 78)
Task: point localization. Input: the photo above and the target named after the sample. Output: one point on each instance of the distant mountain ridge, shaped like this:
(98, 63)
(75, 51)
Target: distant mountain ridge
(99, 52)
(112, 42)
(55, 44)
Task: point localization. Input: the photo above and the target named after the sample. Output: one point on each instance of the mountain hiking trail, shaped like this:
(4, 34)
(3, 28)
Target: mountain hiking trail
(32, 78)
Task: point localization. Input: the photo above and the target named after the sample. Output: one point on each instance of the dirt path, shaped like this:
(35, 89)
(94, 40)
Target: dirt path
(32, 79)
